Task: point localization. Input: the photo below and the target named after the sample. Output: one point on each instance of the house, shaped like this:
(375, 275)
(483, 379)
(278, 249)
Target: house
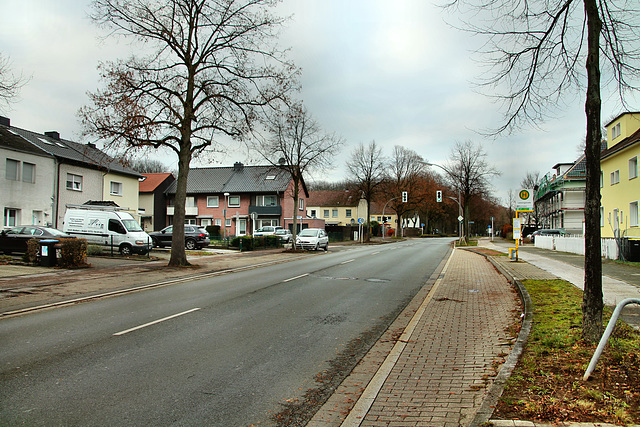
(74, 174)
(336, 207)
(619, 182)
(240, 199)
(345, 208)
(560, 197)
(152, 204)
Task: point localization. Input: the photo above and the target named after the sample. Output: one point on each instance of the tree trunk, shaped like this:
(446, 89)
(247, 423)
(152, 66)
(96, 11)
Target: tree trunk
(178, 254)
(368, 217)
(296, 194)
(592, 304)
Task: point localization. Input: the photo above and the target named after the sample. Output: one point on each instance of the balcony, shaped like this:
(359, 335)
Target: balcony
(266, 210)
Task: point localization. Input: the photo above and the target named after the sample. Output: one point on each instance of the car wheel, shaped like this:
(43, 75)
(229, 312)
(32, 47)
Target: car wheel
(155, 243)
(190, 244)
(125, 250)
(316, 247)
(326, 247)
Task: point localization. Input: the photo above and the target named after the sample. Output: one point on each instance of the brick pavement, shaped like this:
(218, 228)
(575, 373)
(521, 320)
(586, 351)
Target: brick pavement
(446, 364)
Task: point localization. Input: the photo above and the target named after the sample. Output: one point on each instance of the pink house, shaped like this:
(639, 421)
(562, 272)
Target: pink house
(240, 199)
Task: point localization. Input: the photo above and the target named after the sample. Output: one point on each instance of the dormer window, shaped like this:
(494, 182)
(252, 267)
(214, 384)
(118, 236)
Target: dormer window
(615, 131)
(270, 177)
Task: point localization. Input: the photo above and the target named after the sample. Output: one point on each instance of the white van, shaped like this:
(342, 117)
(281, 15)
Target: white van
(108, 227)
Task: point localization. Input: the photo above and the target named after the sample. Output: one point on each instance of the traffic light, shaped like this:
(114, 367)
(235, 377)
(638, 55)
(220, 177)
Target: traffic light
(404, 197)
(439, 196)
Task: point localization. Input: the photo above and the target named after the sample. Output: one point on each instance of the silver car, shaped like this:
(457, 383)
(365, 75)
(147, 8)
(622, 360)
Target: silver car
(313, 238)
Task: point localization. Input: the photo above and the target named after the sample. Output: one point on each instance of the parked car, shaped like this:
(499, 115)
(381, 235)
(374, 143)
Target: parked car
(547, 232)
(194, 237)
(267, 230)
(284, 234)
(15, 239)
(313, 238)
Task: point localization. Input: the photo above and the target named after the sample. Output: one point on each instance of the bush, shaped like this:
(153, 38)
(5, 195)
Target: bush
(247, 243)
(74, 253)
(94, 250)
(33, 250)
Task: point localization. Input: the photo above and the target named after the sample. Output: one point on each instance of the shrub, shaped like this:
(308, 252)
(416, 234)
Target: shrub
(93, 250)
(33, 250)
(74, 253)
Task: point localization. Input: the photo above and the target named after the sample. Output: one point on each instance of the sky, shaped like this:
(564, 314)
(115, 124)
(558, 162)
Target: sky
(390, 71)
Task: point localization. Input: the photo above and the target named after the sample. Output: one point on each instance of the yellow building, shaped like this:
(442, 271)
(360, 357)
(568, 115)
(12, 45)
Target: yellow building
(619, 181)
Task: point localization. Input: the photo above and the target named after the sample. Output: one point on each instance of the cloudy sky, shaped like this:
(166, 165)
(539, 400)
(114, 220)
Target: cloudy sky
(389, 71)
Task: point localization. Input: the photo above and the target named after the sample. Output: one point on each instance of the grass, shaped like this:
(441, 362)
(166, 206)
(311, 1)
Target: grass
(547, 382)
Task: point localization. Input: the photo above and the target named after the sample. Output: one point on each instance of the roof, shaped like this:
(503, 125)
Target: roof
(578, 170)
(12, 141)
(69, 151)
(332, 198)
(620, 115)
(152, 181)
(235, 179)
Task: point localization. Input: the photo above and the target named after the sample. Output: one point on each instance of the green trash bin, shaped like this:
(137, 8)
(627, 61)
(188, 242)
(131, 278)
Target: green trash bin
(48, 252)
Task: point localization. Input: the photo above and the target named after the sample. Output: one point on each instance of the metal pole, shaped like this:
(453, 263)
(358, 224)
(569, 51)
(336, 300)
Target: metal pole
(385, 207)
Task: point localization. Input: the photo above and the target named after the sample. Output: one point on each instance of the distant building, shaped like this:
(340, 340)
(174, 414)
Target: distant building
(560, 197)
(153, 201)
(619, 182)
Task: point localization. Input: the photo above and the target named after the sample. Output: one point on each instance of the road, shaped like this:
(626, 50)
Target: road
(224, 351)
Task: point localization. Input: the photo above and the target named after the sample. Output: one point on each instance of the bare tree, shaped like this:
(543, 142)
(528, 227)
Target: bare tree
(146, 165)
(211, 67)
(406, 168)
(544, 50)
(469, 173)
(10, 84)
(296, 142)
(367, 170)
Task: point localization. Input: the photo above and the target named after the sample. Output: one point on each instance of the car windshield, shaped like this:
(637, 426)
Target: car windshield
(131, 225)
(281, 231)
(309, 232)
(55, 232)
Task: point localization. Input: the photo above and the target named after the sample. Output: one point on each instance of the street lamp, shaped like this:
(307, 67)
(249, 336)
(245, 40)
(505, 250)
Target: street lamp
(383, 221)
(458, 200)
(224, 212)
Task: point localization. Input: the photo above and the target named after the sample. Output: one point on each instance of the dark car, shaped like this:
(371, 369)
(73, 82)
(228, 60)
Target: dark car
(194, 237)
(15, 239)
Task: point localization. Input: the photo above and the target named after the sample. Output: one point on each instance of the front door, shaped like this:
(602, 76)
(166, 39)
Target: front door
(242, 227)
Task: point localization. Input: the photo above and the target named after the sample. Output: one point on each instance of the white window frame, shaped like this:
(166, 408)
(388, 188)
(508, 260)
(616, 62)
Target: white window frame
(16, 166)
(231, 202)
(334, 213)
(601, 216)
(29, 178)
(115, 188)
(325, 213)
(190, 202)
(218, 222)
(11, 217)
(213, 201)
(633, 167)
(227, 222)
(616, 131)
(615, 177)
(75, 181)
(300, 204)
(634, 217)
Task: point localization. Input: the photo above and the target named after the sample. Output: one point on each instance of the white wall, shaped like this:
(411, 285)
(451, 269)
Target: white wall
(575, 245)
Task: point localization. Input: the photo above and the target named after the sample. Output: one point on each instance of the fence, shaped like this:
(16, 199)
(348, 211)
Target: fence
(575, 245)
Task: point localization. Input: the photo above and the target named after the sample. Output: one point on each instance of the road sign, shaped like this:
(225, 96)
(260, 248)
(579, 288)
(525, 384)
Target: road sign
(524, 201)
(460, 218)
(360, 220)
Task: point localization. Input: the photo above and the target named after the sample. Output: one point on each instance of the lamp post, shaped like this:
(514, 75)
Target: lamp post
(458, 200)
(224, 213)
(383, 221)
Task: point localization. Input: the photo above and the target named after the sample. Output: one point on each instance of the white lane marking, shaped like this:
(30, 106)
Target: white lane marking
(294, 278)
(375, 253)
(156, 321)
(347, 262)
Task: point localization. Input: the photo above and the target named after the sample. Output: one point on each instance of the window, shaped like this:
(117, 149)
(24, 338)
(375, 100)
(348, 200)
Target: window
(313, 213)
(334, 213)
(234, 201)
(218, 222)
(326, 213)
(227, 223)
(634, 221)
(213, 201)
(13, 170)
(190, 221)
(74, 182)
(601, 216)
(348, 213)
(270, 200)
(300, 204)
(11, 217)
(601, 179)
(205, 222)
(615, 177)
(116, 226)
(615, 131)
(633, 167)
(115, 188)
(28, 172)
(190, 202)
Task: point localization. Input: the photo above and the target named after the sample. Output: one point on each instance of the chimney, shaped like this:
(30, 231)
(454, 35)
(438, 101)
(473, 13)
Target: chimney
(237, 166)
(5, 121)
(91, 144)
(53, 134)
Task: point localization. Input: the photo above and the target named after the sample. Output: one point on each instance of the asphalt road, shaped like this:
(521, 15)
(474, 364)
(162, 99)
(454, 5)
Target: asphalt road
(225, 351)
